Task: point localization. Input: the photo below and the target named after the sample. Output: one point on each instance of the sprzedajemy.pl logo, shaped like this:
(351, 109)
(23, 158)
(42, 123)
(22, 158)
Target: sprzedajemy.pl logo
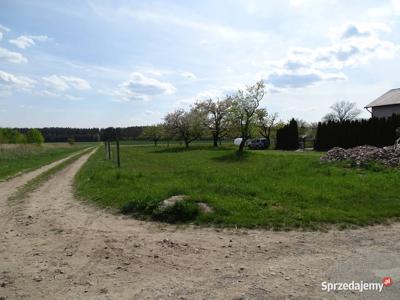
(359, 286)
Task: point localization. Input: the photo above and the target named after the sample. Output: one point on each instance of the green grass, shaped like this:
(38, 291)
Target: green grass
(141, 142)
(270, 189)
(19, 158)
(34, 183)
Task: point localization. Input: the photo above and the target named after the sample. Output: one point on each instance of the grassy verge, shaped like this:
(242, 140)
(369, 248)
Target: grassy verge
(270, 189)
(34, 183)
(18, 158)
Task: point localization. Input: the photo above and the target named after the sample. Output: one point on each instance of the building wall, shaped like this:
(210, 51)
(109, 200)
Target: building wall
(385, 111)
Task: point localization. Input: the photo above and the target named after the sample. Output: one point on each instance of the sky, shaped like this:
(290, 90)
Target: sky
(127, 63)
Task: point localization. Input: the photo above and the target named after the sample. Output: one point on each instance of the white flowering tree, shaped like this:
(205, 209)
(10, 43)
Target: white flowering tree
(243, 110)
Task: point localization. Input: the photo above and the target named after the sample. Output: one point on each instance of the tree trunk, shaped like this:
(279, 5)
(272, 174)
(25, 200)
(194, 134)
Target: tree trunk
(186, 143)
(155, 143)
(215, 138)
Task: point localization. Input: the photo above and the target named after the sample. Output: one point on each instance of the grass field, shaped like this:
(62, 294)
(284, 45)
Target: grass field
(271, 189)
(171, 143)
(18, 158)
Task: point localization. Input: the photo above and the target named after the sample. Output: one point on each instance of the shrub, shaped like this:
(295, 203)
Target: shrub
(181, 211)
(139, 207)
(71, 141)
(34, 136)
(12, 136)
(19, 138)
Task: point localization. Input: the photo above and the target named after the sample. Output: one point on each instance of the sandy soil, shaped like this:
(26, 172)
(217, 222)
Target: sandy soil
(53, 246)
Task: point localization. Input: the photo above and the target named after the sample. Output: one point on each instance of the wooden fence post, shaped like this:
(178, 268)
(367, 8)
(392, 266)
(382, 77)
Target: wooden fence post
(118, 160)
(109, 150)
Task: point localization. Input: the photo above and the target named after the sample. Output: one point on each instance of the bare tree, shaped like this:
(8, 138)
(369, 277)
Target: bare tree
(343, 111)
(244, 107)
(185, 126)
(265, 122)
(215, 116)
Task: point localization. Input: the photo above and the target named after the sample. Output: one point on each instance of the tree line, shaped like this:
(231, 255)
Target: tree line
(13, 136)
(65, 134)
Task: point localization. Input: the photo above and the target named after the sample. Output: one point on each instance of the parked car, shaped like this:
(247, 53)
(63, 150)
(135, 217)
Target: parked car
(259, 144)
(237, 141)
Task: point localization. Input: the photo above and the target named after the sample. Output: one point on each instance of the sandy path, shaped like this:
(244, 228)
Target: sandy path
(55, 247)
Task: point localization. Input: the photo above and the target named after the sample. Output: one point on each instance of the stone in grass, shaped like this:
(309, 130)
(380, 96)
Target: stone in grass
(204, 207)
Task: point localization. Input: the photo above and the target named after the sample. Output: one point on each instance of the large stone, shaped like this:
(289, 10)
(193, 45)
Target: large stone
(172, 200)
(204, 207)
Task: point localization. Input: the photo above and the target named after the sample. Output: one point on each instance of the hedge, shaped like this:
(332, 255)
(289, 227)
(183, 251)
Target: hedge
(377, 132)
(287, 137)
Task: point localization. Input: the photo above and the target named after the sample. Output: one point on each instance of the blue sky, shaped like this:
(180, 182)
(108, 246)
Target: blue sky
(125, 63)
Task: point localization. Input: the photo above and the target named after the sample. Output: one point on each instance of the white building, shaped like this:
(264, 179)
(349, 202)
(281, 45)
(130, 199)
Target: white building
(386, 105)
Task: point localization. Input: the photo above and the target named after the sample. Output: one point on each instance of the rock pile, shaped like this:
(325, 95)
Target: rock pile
(361, 155)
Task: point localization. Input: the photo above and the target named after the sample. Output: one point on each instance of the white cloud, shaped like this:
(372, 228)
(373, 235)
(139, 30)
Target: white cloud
(290, 79)
(22, 42)
(388, 9)
(220, 92)
(63, 83)
(56, 82)
(4, 28)
(166, 72)
(297, 3)
(188, 75)
(51, 94)
(77, 83)
(73, 98)
(142, 88)
(353, 31)
(9, 80)
(11, 56)
(47, 93)
(25, 41)
(213, 93)
(153, 113)
(352, 45)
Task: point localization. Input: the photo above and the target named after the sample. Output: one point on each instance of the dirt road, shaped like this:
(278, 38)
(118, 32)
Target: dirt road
(53, 246)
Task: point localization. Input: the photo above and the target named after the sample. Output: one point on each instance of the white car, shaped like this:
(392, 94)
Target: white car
(237, 141)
